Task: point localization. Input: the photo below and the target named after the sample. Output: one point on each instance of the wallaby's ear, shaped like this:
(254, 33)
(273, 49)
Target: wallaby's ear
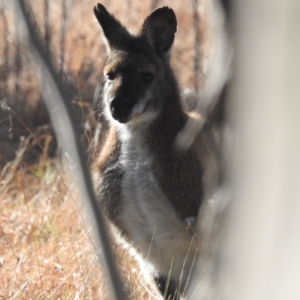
(159, 29)
(116, 34)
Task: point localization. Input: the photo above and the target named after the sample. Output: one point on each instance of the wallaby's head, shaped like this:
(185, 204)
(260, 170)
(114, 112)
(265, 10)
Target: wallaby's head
(137, 72)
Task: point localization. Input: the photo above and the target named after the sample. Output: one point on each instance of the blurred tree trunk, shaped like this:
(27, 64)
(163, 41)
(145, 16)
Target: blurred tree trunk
(257, 252)
(262, 248)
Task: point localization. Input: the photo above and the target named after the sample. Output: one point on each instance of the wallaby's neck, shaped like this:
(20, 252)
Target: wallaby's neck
(163, 131)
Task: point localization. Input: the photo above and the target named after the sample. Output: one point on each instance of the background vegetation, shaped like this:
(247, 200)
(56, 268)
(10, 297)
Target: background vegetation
(46, 245)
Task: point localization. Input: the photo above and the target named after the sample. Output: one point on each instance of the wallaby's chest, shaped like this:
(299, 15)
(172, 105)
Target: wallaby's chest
(144, 202)
(136, 162)
(148, 217)
(151, 176)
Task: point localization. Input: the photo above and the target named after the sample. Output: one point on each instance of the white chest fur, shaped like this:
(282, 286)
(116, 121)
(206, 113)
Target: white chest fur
(148, 216)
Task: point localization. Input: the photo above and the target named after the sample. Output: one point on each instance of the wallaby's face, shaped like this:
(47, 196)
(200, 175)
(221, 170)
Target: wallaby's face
(136, 72)
(131, 85)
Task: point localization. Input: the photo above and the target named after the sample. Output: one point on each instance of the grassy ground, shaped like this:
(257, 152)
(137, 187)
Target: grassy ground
(46, 245)
(47, 250)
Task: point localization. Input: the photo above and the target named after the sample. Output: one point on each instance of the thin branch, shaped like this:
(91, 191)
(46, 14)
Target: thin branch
(47, 26)
(17, 67)
(5, 53)
(64, 7)
(197, 47)
(63, 120)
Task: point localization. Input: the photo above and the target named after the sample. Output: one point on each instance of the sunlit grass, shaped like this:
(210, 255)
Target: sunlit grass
(47, 249)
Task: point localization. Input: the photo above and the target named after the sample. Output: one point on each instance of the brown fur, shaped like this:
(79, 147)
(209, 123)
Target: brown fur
(109, 194)
(144, 182)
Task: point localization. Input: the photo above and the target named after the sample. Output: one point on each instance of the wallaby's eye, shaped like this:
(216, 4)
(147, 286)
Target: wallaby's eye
(110, 76)
(147, 77)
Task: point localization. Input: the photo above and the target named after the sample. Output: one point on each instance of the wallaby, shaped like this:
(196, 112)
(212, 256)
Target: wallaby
(148, 187)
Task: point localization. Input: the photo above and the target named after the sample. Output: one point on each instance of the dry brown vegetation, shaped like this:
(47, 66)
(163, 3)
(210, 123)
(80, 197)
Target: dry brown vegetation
(47, 249)
(46, 245)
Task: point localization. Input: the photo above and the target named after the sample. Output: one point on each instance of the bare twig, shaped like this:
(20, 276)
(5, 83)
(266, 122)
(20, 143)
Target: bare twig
(47, 26)
(17, 71)
(4, 72)
(197, 47)
(64, 8)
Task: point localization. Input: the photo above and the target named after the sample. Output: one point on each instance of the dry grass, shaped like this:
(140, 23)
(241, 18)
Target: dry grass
(46, 246)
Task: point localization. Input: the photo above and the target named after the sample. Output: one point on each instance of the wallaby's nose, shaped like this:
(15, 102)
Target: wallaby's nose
(120, 108)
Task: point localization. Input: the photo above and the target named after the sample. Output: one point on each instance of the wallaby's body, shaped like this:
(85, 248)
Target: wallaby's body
(148, 188)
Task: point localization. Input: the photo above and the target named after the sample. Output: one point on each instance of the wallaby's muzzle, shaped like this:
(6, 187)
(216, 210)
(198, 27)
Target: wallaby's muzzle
(121, 108)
